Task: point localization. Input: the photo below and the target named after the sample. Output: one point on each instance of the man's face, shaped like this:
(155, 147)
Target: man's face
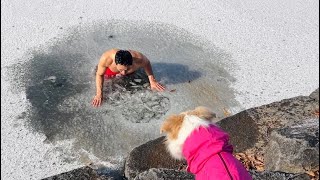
(123, 69)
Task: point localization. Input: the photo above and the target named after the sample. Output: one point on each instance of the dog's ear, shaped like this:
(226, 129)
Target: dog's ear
(172, 125)
(203, 112)
(167, 125)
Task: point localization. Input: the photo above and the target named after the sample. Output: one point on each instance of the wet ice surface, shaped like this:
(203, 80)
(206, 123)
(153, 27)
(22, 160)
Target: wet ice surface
(137, 104)
(59, 84)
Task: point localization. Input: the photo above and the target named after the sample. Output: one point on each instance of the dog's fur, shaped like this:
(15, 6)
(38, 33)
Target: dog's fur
(179, 127)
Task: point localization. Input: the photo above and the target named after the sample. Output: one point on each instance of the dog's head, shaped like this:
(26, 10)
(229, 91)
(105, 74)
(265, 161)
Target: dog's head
(172, 125)
(178, 127)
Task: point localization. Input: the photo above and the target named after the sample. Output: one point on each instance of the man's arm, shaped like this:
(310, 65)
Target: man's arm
(100, 79)
(148, 69)
(103, 64)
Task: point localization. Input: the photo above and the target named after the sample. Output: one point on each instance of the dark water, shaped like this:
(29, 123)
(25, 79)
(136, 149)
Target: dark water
(59, 85)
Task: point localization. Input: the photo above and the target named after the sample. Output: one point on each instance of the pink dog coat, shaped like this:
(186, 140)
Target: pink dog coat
(209, 156)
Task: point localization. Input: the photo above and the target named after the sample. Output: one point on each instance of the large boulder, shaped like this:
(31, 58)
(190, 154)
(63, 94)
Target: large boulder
(83, 173)
(275, 175)
(164, 174)
(87, 173)
(243, 130)
(152, 154)
(171, 174)
(250, 129)
(315, 95)
(294, 149)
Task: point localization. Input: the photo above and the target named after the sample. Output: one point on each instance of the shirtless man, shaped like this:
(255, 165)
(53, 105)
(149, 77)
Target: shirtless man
(122, 62)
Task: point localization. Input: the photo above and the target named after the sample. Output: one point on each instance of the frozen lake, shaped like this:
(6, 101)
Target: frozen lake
(225, 55)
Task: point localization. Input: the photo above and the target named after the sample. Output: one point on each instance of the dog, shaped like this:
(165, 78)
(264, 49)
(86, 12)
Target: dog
(193, 136)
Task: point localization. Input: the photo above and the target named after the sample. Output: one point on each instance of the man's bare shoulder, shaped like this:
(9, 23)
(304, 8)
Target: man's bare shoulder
(107, 57)
(138, 56)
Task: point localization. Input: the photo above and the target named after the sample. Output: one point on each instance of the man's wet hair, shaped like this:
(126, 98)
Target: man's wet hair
(123, 57)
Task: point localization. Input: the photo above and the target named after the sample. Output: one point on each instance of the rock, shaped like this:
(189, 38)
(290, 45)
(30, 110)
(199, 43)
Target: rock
(294, 149)
(315, 95)
(249, 129)
(242, 129)
(84, 173)
(270, 175)
(171, 174)
(152, 154)
(164, 174)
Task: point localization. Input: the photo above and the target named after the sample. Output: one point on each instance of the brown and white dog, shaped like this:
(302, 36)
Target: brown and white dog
(179, 127)
(192, 135)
